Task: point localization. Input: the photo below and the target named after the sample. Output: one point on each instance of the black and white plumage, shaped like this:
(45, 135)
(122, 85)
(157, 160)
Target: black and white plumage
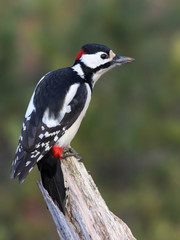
(57, 107)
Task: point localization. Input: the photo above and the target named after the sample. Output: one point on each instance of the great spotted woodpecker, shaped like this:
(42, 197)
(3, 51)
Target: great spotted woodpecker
(54, 114)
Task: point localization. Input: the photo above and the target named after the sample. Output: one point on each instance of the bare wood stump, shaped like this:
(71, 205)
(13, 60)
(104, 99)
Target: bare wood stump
(86, 211)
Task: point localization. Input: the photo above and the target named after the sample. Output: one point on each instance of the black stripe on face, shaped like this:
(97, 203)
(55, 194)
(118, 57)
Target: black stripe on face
(103, 66)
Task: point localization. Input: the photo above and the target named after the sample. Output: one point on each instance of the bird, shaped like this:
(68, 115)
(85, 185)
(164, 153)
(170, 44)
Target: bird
(54, 114)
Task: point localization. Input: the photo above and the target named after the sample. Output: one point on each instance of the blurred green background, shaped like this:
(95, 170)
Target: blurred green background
(130, 137)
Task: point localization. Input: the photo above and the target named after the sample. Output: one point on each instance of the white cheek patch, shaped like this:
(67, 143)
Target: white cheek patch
(94, 60)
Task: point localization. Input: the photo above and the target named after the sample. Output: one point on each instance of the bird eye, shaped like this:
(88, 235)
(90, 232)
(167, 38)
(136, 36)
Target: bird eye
(104, 56)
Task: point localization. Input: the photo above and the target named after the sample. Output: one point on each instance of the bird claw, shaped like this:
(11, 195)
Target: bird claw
(70, 152)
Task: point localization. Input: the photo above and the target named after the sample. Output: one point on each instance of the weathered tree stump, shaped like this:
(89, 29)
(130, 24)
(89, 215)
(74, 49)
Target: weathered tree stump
(87, 215)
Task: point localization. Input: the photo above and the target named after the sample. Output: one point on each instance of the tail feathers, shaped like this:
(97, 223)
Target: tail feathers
(52, 179)
(22, 166)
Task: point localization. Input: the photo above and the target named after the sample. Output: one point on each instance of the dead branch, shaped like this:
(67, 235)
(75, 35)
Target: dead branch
(87, 215)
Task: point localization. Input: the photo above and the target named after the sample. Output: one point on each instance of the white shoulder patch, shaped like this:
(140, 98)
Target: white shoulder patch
(69, 134)
(77, 68)
(52, 121)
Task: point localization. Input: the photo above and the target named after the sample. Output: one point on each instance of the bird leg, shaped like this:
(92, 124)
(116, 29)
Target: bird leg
(69, 152)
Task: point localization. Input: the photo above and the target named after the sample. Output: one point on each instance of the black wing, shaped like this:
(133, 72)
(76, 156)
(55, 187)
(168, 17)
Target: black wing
(36, 137)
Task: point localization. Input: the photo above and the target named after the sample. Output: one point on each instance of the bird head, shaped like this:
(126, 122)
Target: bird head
(96, 59)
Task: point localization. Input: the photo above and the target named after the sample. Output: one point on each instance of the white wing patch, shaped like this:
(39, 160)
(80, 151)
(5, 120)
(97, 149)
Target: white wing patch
(31, 107)
(69, 134)
(51, 120)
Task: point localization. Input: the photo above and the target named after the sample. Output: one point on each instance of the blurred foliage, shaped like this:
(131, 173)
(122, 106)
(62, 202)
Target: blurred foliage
(130, 138)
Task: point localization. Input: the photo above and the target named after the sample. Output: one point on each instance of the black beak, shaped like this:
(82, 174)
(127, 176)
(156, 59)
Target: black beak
(121, 59)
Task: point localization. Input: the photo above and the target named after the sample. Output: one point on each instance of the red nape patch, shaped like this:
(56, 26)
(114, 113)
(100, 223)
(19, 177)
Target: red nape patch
(80, 54)
(57, 151)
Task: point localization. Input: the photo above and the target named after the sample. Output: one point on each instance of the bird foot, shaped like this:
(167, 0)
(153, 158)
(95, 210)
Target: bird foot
(70, 152)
